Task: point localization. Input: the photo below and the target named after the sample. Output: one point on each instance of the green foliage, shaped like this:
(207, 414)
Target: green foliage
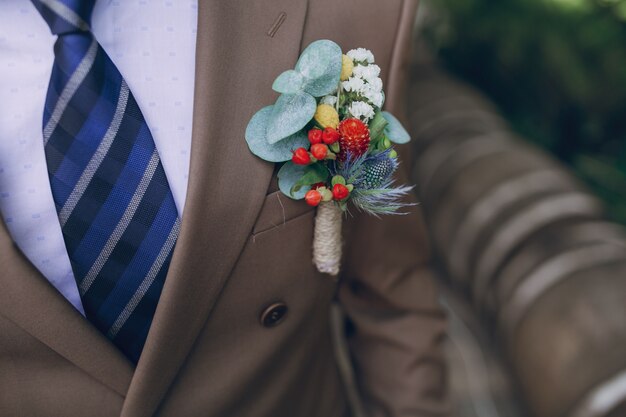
(317, 73)
(256, 136)
(289, 82)
(288, 176)
(295, 180)
(313, 174)
(289, 115)
(394, 129)
(320, 65)
(557, 70)
(377, 127)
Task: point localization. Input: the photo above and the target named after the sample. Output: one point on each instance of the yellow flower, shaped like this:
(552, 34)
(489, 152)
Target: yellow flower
(326, 116)
(346, 67)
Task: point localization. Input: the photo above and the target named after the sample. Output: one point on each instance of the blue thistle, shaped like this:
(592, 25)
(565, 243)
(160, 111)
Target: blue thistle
(372, 177)
(376, 172)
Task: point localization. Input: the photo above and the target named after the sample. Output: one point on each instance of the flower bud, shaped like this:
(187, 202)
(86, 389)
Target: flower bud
(326, 116)
(347, 66)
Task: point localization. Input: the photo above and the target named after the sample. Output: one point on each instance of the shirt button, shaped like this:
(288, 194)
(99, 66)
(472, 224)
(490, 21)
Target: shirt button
(274, 314)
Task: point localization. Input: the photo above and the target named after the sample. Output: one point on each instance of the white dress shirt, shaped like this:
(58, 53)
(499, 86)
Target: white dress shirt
(153, 45)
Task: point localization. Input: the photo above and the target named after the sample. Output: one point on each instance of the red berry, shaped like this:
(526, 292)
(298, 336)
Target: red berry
(340, 191)
(301, 157)
(313, 197)
(330, 136)
(315, 136)
(318, 185)
(319, 151)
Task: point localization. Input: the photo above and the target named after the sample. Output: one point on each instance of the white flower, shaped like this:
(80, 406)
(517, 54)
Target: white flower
(361, 55)
(374, 96)
(354, 85)
(330, 100)
(361, 110)
(375, 84)
(367, 72)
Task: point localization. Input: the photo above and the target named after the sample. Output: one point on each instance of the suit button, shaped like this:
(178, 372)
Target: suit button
(273, 315)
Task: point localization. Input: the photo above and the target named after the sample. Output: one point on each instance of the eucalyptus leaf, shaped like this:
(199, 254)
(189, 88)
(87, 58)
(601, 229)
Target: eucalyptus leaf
(257, 140)
(394, 130)
(320, 64)
(289, 82)
(288, 175)
(289, 115)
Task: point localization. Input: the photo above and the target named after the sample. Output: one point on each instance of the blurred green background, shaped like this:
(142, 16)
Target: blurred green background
(555, 68)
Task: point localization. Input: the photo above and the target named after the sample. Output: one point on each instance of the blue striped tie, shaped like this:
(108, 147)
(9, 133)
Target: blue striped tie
(116, 210)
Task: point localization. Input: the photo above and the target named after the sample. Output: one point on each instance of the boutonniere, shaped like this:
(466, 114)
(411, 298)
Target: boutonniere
(328, 129)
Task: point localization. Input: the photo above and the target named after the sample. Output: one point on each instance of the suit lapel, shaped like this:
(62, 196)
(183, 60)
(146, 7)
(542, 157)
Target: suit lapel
(242, 45)
(28, 300)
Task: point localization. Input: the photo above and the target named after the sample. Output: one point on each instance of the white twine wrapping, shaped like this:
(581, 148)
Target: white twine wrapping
(327, 239)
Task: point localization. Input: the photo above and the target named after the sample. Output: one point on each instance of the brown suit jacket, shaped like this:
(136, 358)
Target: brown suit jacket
(242, 248)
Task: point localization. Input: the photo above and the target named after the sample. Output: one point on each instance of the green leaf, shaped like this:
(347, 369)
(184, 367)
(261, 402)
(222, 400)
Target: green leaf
(394, 130)
(289, 82)
(338, 179)
(313, 174)
(288, 175)
(320, 64)
(377, 126)
(257, 140)
(289, 115)
(327, 195)
(295, 180)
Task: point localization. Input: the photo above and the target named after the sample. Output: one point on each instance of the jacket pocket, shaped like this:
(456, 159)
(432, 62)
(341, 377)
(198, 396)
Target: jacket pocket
(277, 210)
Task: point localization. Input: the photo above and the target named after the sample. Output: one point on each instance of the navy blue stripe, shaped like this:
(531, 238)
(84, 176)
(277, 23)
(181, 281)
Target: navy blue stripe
(79, 146)
(125, 172)
(135, 331)
(56, 24)
(69, 51)
(101, 185)
(127, 247)
(144, 258)
(94, 92)
(83, 8)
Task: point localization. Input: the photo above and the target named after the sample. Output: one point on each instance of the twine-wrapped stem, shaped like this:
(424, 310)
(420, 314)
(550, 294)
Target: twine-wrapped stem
(327, 238)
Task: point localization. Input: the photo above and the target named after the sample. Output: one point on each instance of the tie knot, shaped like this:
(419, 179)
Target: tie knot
(66, 16)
